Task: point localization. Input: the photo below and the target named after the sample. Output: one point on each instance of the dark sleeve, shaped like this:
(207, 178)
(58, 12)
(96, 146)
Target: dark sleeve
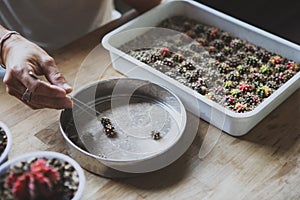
(281, 18)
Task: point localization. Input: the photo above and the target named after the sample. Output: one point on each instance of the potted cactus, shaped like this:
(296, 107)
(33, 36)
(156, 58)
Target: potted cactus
(5, 142)
(41, 175)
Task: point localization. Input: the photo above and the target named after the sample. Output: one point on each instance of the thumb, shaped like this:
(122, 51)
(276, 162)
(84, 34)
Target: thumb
(57, 78)
(52, 74)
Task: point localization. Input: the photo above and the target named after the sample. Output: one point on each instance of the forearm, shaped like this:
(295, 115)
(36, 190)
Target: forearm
(142, 5)
(4, 36)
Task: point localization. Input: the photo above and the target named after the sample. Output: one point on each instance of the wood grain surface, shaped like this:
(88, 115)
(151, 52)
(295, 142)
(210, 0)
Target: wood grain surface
(263, 164)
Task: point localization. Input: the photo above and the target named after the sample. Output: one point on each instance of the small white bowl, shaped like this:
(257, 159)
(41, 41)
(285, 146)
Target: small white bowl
(4, 155)
(50, 154)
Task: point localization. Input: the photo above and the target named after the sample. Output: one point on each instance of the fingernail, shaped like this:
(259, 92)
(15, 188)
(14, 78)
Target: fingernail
(67, 87)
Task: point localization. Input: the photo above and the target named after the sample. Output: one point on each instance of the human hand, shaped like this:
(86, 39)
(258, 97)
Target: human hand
(20, 57)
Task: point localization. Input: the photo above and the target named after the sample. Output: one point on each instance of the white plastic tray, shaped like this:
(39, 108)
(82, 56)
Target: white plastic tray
(236, 124)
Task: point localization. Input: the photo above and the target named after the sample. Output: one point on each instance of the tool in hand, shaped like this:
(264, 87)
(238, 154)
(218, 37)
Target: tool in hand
(76, 101)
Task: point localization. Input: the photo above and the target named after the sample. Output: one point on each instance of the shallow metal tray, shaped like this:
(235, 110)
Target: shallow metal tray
(135, 109)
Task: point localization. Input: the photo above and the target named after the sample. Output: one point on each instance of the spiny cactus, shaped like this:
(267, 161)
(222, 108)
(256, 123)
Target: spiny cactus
(36, 183)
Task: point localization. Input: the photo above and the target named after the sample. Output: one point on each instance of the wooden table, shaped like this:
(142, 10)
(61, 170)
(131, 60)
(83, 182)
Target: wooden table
(264, 164)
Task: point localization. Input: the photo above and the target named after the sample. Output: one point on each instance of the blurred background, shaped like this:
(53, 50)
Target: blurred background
(278, 17)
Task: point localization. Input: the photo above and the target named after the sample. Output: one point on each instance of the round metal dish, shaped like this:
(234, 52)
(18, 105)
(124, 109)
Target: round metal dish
(137, 109)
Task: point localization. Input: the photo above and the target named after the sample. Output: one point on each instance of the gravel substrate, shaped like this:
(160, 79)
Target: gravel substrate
(230, 71)
(3, 140)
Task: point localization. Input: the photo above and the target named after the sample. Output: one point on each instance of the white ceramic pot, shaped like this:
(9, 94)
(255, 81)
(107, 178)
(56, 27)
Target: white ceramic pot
(4, 155)
(49, 155)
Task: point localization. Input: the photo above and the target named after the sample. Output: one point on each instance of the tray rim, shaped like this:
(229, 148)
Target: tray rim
(235, 124)
(183, 116)
(219, 107)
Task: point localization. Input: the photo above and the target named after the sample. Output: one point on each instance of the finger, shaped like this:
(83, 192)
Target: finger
(43, 88)
(12, 77)
(37, 101)
(18, 74)
(56, 78)
(52, 73)
(14, 86)
(43, 95)
(46, 102)
(19, 95)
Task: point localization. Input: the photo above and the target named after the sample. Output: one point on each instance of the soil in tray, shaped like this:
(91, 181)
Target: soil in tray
(230, 71)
